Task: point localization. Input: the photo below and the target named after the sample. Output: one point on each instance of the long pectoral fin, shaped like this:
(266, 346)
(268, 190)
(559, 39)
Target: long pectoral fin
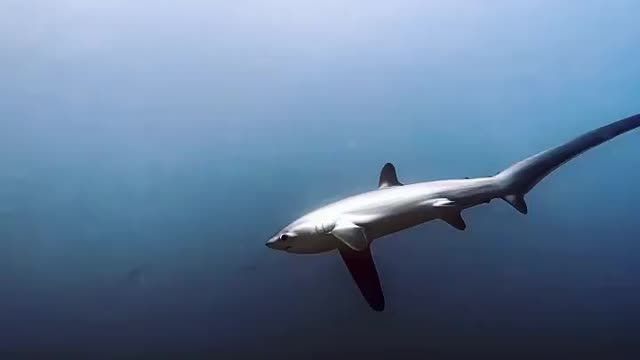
(351, 235)
(364, 273)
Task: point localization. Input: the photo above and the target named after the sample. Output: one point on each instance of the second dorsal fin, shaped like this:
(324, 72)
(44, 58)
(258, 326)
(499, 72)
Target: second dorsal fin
(388, 177)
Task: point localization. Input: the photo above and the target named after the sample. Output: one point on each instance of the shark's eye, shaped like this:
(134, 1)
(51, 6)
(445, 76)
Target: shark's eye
(284, 237)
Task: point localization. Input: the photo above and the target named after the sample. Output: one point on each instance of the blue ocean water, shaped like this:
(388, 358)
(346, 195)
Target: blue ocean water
(149, 149)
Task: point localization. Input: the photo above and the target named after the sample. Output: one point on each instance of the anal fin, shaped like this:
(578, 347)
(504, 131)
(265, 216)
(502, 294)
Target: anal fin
(517, 201)
(364, 273)
(455, 219)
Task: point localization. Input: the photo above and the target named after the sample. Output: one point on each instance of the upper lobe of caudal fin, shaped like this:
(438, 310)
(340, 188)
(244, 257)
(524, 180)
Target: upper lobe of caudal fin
(521, 177)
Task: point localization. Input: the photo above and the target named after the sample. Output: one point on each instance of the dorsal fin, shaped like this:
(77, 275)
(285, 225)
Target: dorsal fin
(388, 177)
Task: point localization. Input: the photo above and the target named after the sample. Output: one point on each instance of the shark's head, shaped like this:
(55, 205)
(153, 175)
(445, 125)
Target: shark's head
(304, 237)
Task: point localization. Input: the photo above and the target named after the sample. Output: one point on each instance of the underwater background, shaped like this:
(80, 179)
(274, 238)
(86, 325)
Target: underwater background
(148, 149)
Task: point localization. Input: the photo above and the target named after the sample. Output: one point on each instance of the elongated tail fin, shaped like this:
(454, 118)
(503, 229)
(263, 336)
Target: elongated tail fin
(521, 177)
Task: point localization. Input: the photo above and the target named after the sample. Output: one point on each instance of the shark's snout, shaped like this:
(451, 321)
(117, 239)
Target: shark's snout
(282, 243)
(275, 244)
(270, 243)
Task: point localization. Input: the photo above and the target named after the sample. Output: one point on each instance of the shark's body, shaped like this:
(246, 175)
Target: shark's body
(351, 224)
(385, 211)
